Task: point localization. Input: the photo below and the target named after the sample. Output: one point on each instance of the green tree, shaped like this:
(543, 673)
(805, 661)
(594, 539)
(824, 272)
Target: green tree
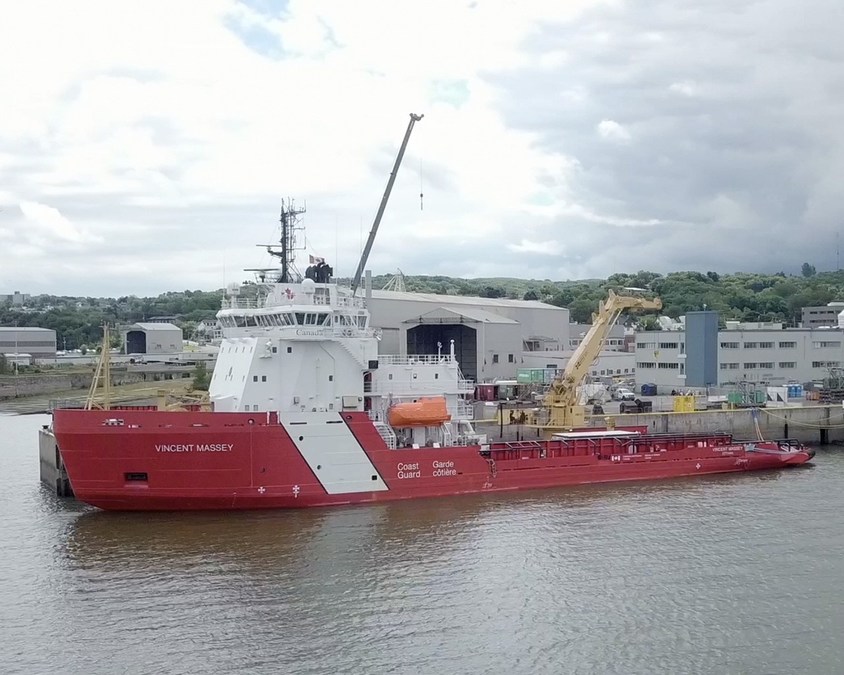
(531, 295)
(201, 379)
(492, 292)
(581, 310)
(807, 270)
(649, 322)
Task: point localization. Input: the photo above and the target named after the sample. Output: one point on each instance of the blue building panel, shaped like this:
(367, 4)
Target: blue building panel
(701, 349)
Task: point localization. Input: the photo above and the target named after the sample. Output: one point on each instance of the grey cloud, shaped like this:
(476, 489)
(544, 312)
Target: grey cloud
(735, 116)
(761, 129)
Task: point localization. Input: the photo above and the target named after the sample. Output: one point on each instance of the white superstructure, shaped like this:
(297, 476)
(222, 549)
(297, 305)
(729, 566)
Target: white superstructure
(308, 347)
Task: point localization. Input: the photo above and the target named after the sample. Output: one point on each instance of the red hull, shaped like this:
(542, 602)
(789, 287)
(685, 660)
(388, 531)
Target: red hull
(149, 460)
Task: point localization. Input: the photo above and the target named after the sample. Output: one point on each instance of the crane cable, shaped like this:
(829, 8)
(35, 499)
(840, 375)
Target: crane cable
(421, 191)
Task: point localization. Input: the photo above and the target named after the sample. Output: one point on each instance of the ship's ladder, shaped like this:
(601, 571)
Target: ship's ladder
(493, 470)
(447, 437)
(353, 351)
(387, 433)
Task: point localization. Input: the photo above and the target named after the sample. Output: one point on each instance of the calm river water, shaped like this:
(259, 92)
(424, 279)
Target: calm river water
(733, 574)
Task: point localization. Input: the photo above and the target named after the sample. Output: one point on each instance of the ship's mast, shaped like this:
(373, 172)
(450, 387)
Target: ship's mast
(289, 219)
(365, 255)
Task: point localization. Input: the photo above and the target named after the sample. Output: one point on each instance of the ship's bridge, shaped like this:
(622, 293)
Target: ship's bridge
(307, 293)
(322, 309)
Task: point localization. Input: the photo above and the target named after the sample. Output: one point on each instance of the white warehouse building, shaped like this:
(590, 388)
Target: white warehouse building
(762, 353)
(493, 337)
(36, 343)
(152, 338)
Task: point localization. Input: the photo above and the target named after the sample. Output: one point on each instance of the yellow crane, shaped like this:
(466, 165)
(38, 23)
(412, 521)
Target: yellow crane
(102, 376)
(562, 397)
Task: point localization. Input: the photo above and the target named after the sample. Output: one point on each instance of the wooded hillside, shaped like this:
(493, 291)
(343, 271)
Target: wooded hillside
(741, 296)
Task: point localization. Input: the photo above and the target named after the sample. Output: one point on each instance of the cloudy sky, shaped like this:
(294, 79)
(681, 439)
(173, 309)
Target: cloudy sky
(145, 146)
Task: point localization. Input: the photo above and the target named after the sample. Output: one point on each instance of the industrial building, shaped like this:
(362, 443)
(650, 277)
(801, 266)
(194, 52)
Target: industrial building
(152, 339)
(826, 315)
(617, 337)
(761, 353)
(494, 338)
(39, 343)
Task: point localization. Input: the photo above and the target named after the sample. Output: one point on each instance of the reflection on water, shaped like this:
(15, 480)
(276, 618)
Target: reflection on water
(720, 574)
(278, 538)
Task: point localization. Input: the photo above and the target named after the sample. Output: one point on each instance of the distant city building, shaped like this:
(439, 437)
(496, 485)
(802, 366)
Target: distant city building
(16, 299)
(210, 330)
(39, 343)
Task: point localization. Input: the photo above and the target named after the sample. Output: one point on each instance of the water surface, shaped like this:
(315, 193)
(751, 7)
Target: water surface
(724, 574)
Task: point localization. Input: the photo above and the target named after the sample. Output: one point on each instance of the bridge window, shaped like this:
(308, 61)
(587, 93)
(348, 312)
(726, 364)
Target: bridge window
(322, 296)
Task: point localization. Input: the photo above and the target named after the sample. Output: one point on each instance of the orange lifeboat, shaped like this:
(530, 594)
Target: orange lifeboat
(425, 412)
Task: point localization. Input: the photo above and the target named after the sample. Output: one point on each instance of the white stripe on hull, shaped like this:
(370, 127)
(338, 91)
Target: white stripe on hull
(333, 453)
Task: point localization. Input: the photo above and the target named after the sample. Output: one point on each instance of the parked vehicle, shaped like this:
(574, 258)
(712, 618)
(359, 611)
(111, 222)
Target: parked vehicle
(637, 406)
(623, 394)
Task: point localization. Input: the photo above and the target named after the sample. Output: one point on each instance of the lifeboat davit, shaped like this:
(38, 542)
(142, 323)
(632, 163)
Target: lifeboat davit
(424, 412)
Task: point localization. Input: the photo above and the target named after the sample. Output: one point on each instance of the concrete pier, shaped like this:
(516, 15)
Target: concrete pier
(53, 473)
(813, 425)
